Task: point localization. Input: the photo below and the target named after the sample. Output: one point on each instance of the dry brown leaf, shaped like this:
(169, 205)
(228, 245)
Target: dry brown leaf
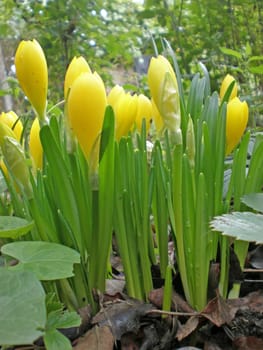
(97, 338)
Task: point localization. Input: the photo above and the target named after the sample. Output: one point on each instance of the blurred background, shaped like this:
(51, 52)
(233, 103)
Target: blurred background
(118, 38)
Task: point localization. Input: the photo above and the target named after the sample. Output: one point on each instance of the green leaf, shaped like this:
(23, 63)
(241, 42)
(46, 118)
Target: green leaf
(54, 340)
(49, 261)
(254, 200)
(60, 319)
(230, 52)
(256, 70)
(14, 227)
(22, 305)
(243, 226)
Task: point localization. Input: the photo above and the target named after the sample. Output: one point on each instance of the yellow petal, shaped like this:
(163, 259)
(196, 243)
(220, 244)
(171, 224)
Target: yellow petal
(157, 118)
(87, 101)
(225, 84)
(12, 120)
(35, 146)
(144, 111)
(32, 74)
(77, 66)
(236, 122)
(164, 91)
(125, 113)
(114, 95)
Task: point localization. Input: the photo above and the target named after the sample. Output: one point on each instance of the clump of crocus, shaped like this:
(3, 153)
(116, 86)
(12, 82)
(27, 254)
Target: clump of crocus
(35, 146)
(12, 120)
(225, 85)
(32, 74)
(77, 66)
(164, 91)
(236, 122)
(86, 105)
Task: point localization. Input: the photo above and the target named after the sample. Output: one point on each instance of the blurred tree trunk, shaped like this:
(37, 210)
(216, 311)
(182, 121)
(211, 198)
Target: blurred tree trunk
(7, 99)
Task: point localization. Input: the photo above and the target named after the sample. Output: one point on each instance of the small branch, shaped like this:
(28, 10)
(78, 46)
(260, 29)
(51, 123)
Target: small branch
(173, 313)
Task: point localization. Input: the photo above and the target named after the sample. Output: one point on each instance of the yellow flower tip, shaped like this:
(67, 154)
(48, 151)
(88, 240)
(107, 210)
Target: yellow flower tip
(35, 146)
(32, 74)
(236, 122)
(158, 68)
(125, 112)
(224, 86)
(144, 111)
(87, 101)
(77, 66)
(12, 120)
(114, 95)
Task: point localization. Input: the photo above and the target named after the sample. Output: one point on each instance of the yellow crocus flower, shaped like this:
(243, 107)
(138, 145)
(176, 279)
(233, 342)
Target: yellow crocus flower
(35, 146)
(125, 112)
(32, 74)
(87, 101)
(12, 120)
(144, 111)
(164, 91)
(224, 86)
(77, 66)
(115, 94)
(236, 122)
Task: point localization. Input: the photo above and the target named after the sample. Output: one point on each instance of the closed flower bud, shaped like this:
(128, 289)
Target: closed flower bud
(125, 112)
(77, 66)
(144, 111)
(225, 85)
(12, 120)
(5, 130)
(164, 90)
(35, 146)
(115, 94)
(236, 122)
(32, 74)
(87, 101)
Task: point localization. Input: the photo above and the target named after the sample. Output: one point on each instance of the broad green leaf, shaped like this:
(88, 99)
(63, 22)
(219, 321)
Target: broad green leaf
(254, 200)
(60, 319)
(54, 340)
(231, 52)
(243, 226)
(255, 58)
(14, 227)
(49, 261)
(22, 305)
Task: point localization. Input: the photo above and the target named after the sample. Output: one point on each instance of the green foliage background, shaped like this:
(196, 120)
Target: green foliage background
(111, 34)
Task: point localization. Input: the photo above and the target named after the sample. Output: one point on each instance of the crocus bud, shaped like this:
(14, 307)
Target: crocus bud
(125, 112)
(16, 162)
(87, 101)
(114, 95)
(35, 146)
(144, 111)
(77, 66)
(225, 84)
(5, 130)
(164, 90)
(236, 122)
(12, 120)
(32, 74)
